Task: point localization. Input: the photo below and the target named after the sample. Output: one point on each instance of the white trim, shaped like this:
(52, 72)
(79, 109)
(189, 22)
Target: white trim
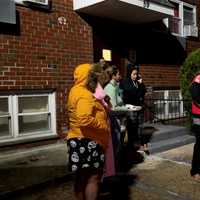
(78, 4)
(195, 15)
(10, 110)
(166, 95)
(2, 116)
(152, 6)
(1, 97)
(52, 109)
(181, 17)
(33, 113)
(181, 104)
(15, 116)
(29, 134)
(33, 95)
(166, 22)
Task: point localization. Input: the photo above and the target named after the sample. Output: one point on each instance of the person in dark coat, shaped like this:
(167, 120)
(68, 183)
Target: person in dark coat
(133, 90)
(195, 93)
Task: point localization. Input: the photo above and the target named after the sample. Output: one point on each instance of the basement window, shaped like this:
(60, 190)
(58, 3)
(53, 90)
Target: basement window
(42, 2)
(5, 117)
(27, 116)
(36, 4)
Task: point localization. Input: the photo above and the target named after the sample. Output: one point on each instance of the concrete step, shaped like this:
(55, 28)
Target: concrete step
(170, 143)
(168, 132)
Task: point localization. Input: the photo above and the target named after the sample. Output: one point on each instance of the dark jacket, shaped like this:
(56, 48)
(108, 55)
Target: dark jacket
(195, 93)
(133, 93)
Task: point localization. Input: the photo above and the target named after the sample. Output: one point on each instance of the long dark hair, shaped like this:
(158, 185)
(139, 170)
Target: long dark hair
(130, 70)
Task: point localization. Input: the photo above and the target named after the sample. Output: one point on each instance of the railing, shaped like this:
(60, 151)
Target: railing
(165, 111)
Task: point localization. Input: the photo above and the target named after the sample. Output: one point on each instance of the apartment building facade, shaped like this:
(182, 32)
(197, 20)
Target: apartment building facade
(41, 41)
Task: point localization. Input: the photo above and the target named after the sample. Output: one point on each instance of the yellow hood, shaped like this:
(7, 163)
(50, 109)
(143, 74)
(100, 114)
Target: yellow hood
(87, 116)
(81, 73)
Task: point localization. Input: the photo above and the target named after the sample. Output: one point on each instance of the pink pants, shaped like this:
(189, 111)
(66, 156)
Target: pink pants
(109, 159)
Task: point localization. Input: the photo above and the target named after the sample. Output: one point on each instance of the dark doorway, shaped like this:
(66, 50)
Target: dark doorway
(152, 42)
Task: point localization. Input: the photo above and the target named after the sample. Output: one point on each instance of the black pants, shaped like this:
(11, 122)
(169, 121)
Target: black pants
(196, 156)
(133, 131)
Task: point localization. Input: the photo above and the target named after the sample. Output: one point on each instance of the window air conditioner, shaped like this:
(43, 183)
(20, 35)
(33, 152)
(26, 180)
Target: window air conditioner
(7, 12)
(39, 2)
(190, 30)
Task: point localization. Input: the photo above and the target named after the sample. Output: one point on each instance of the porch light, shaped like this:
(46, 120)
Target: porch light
(107, 54)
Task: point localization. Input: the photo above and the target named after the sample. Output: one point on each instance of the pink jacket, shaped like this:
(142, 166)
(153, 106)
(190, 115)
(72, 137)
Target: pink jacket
(109, 155)
(100, 94)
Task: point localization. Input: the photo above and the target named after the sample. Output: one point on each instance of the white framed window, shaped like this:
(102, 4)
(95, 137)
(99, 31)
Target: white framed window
(184, 21)
(5, 117)
(27, 116)
(168, 104)
(42, 2)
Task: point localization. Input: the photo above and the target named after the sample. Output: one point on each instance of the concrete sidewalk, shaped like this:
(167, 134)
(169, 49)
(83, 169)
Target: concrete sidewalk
(160, 177)
(163, 175)
(29, 167)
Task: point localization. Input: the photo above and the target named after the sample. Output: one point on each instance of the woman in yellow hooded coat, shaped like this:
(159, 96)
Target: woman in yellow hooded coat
(88, 134)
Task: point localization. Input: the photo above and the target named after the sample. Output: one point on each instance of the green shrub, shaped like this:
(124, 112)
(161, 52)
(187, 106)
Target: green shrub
(189, 68)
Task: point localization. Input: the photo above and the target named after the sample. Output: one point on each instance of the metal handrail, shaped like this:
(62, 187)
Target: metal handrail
(162, 110)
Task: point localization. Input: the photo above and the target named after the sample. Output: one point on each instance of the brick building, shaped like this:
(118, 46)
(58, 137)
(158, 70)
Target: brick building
(41, 41)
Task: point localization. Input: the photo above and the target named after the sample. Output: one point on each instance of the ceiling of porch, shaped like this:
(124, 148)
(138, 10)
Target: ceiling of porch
(124, 10)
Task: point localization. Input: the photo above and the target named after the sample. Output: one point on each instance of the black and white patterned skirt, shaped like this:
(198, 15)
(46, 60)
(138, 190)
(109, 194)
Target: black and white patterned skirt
(85, 153)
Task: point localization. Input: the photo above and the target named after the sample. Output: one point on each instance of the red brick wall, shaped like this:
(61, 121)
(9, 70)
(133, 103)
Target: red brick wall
(24, 58)
(160, 75)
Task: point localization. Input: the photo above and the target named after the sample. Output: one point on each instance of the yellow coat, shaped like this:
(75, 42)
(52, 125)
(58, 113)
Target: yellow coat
(87, 116)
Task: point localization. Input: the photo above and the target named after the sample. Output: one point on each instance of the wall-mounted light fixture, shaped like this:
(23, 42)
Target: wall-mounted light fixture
(107, 54)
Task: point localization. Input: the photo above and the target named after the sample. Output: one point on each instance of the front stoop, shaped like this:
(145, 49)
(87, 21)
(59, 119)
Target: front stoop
(168, 137)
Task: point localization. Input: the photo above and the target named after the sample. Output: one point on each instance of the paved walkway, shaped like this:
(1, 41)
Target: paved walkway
(163, 179)
(163, 176)
(30, 167)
